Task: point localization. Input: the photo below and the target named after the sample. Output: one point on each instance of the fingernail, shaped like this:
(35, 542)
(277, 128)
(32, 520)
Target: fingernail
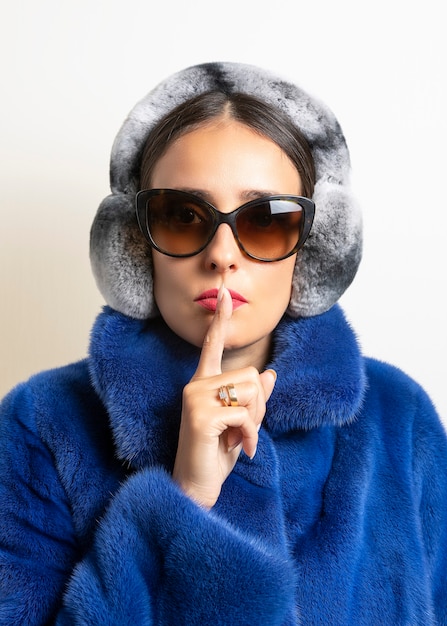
(275, 375)
(254, 454)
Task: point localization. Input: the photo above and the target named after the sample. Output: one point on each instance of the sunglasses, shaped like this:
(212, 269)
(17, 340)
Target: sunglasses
(181, 224)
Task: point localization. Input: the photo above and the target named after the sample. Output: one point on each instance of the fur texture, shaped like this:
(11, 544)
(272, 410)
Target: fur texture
(340, 518)
(327, 263)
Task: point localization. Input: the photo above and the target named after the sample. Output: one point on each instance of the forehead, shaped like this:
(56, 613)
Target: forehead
(226, 154)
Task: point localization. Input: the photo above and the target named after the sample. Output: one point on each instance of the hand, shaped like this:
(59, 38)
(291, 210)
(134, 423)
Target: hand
(212, 434)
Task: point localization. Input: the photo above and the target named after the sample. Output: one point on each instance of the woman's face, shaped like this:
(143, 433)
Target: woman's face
(228, 164)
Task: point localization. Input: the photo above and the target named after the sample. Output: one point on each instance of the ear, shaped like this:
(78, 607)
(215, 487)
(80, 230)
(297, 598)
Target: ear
(121, 258)
(328, 261)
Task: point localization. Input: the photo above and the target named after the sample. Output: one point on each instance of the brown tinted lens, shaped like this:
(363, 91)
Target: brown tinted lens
(270, 229)
(178, 224)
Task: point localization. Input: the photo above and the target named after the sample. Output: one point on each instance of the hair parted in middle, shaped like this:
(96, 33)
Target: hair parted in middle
(243, 108)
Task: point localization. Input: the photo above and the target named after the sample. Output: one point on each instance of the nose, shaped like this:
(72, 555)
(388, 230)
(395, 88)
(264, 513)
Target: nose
(222, 254)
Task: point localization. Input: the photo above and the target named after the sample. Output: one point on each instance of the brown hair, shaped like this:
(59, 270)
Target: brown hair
(256, 114)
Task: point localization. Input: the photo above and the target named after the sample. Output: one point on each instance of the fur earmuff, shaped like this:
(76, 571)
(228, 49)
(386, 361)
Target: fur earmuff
(327, 263)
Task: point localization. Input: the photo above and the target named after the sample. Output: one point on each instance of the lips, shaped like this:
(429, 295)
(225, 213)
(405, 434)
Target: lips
(208, 299)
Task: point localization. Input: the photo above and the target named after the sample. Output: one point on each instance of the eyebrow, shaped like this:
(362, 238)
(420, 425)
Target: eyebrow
(246, 195)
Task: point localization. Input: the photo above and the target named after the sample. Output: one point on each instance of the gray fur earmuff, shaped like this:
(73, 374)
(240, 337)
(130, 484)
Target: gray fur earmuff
(326, 264)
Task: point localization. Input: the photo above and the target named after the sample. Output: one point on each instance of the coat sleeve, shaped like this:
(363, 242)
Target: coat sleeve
(430, 483)
(155, 556)
(37, 540)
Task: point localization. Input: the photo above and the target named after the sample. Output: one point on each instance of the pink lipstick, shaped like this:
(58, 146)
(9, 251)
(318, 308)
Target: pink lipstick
(208, 299)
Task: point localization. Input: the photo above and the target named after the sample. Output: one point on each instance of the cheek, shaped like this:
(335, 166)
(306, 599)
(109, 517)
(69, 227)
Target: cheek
(171, 279)
(286, 281)
(274, 290)
(164, 276)
(281, 279)
(157, 272)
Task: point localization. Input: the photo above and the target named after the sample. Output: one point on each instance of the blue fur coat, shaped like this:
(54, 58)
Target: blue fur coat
(340, 518)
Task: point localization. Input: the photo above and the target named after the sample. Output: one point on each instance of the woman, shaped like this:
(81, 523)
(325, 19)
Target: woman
(225, 455)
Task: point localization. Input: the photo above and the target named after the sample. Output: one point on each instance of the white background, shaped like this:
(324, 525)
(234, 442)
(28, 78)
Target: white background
(70, 73)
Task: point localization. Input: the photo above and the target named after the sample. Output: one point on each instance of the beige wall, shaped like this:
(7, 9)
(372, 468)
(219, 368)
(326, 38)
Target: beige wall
(72, 70)
(48, 297)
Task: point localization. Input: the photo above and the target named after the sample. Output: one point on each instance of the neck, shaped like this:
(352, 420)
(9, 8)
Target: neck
(255, 355)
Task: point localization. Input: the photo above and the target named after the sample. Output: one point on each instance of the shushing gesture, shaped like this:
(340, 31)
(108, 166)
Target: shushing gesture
(215, 427)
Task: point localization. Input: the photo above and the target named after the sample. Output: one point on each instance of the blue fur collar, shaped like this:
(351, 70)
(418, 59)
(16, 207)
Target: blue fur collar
(139, 369)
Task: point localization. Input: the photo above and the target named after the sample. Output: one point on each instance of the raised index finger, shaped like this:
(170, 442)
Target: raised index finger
(210, 362)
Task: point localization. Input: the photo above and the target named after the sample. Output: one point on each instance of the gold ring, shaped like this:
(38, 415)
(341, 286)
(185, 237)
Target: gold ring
(232, 395)
(227, 394)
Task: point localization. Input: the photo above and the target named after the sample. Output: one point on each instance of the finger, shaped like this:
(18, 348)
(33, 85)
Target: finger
(249, 439)
(254, 403)
(210, 362)
(241, 431)
(234, 438)
(268, 380)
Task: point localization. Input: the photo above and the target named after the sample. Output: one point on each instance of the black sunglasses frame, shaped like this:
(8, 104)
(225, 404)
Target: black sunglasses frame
(219, 218)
